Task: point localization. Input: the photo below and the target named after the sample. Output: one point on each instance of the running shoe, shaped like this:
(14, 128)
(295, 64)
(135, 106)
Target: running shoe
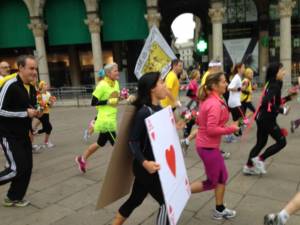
(226, 155)
(86, 135)
(185, 145)
(49, 144)
(17, 203)
(250, 170)
(81, 164)
(260, 165)
(272, 219)
(225, 214)
(293, 126)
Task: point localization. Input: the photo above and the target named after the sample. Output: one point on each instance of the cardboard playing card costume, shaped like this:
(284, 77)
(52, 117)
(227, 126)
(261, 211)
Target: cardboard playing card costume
(167, 152)
(119, 177)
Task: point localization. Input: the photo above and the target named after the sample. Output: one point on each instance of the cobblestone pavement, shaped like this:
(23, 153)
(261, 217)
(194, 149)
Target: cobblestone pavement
(60, 195)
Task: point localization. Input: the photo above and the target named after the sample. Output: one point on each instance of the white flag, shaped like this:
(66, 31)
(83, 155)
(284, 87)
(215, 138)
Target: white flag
(156, 55)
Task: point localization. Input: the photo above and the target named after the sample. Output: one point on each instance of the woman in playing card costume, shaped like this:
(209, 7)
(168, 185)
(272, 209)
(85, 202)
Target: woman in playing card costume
(212, 119)
(151, 90)
(271, 105)
(105, 98)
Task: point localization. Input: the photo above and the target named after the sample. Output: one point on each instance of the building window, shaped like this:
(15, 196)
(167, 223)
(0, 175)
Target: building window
(240, 11)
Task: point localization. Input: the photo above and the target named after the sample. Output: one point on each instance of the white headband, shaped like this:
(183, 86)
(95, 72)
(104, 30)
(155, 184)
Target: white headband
(214, 64)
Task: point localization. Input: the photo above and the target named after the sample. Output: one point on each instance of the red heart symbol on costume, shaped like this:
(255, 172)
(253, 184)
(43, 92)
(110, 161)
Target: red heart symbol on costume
(153, 135)
(171, 159)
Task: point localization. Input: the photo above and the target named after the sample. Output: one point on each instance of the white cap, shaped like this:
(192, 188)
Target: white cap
(214, 63)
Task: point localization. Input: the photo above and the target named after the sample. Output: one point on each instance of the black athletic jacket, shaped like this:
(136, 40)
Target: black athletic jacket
(140, 145)
(272, 103)
(14, 102)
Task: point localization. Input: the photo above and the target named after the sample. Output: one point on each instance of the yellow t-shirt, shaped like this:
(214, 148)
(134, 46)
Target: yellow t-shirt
(247, 97)
(6, 78)
(203, 80)
(172, 83)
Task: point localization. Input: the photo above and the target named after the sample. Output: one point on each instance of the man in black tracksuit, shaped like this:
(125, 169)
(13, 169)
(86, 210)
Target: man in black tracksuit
(17, 102)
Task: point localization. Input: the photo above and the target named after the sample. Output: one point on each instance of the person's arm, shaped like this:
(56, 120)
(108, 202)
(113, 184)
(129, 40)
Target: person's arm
(9, 97)
(245, 85)
(96, 102)
(213, 117)
(169, 82)
(138, 134)
(269, 100)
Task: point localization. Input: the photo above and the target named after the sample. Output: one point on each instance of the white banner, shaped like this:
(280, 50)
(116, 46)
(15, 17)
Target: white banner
(156, 55)
(167, 152)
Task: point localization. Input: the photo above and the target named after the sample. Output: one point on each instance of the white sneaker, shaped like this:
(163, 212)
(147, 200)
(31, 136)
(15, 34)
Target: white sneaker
(86, 135)
(272, 219)
(250, 170)
(185, 145)
(49, 144)
(260, 165)
(225, 214)
(36, 149)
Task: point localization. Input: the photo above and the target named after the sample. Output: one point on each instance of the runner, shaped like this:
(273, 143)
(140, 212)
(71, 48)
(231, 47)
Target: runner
(45, 101)
(151, 90)
(105, 98)
(212, 119)
(266, 120)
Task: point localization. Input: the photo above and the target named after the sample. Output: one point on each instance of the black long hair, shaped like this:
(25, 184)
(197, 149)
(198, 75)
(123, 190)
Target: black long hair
(145, 84)
(272, 71)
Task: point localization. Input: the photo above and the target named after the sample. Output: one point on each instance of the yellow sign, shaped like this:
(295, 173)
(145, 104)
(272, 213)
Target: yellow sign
(156, 60)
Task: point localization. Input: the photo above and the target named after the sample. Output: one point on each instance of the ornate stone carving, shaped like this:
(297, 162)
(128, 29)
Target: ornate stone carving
(94, 24)
(151, 3)
(38, 28)
(217, 14)
(285, 7)
(153, 18)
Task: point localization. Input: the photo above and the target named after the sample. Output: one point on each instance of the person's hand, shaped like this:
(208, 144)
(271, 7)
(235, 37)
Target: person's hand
(178, 104)
(113, 101)
(32, 112)
(151, 166)
(180, 124)
(39, 114)
(235, 125)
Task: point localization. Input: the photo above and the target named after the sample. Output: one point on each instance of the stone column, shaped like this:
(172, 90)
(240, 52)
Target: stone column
(94, 23)
(216, 14)
(263, 55)
(74, 65)
(153, 17)
(38, 28)
(285, 11)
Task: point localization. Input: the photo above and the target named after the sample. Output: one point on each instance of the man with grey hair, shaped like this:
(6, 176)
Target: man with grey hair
(4, 69)
(17, 99)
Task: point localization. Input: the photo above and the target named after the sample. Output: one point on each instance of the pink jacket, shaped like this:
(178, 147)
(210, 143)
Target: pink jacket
(212, 119)
(193, 85)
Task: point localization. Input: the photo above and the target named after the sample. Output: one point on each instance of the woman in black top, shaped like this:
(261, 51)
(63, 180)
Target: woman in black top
(272, 104)
(151, 90)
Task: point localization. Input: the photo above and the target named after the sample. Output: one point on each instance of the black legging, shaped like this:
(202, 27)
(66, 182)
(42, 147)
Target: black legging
(188, 128)
(264, 129)
(47, 127)
(138, 194)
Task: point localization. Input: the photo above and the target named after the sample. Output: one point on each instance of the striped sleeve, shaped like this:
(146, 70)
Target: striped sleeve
(4, 97)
